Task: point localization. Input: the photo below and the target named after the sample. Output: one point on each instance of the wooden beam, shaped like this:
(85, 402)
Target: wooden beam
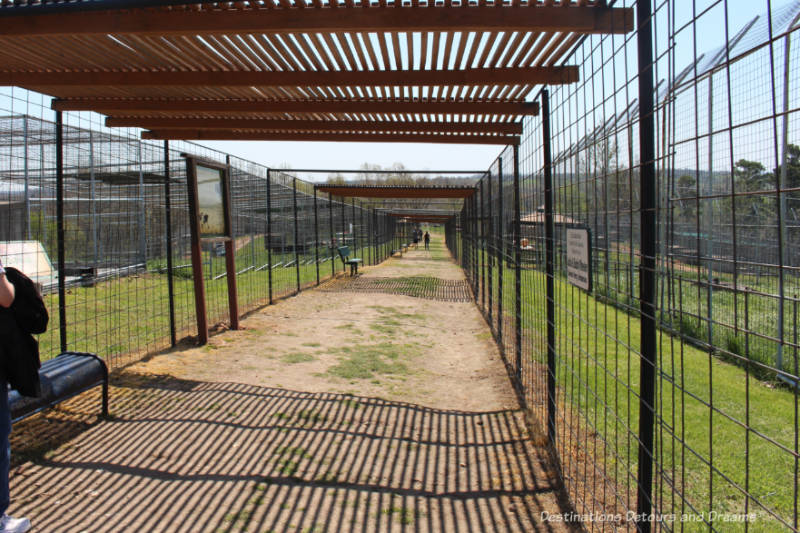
(468, 77)
(435, 218)
(506, 128)
(143, 21)
(378, 191)
(142, 105)
(230, 135)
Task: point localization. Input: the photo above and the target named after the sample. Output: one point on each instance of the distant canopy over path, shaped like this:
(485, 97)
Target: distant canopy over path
(342, 70)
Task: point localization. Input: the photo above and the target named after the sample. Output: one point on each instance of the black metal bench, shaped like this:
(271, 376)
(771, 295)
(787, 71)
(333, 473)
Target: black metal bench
(62, 377)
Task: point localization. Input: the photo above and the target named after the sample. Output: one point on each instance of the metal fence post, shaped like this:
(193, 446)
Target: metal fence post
(517, 272)
(230, 259)
(62, 282)
(296, 234)
(484, 252)
(549, 244)
(25, 144)
(370, 243)
(142, 224)
(344, 224)
(92, 196)
(316, 235)
(473, 240)
(330, 228)
(647, 285)
(355, 232)
(168, 223)
(490, 246)
(501, 247)
(269, 233)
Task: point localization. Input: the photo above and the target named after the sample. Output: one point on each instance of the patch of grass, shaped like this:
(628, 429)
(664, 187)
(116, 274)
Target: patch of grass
(311, 416)
(304, 416)
(312, 344)
(383, 328)
(404, 515)
(297, 357)
(350, 328)
(366, 361)
(288, 466)
(292, 451)
(242, 516)
(599, 343)
(392, 313)
(327, 477)
(352, 403)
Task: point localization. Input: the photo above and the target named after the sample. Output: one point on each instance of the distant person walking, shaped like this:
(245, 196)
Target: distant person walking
(427, 240)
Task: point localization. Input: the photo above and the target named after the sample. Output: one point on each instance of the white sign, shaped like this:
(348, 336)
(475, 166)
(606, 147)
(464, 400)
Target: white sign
(579, 263)
(29, 257)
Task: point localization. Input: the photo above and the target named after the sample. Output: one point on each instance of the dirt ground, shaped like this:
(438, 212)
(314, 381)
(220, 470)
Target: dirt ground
(332, 410)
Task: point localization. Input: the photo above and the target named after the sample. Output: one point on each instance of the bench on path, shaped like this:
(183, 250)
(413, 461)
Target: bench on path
(344, 253)
(61, 378)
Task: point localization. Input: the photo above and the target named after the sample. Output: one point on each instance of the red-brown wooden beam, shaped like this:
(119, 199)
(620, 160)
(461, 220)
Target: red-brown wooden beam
(143, 105)
(404, 78)
(505, 128)
(577, 19)
(423, 218)
(249, 135)
(388, 191)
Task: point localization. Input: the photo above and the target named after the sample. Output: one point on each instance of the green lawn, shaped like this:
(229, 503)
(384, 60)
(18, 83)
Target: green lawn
(704, 405)
(128, 315)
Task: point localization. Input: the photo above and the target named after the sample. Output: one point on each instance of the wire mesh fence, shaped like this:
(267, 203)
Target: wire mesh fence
(723, 407)
(119, 209)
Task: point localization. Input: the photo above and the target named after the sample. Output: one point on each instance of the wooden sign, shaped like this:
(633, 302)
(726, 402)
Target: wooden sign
(210, 221)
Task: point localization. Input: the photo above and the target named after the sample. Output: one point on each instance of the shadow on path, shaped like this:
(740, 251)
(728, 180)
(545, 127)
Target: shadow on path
(183, 455)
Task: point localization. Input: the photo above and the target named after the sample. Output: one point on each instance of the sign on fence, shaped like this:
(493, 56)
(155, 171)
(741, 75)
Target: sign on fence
(579, 258)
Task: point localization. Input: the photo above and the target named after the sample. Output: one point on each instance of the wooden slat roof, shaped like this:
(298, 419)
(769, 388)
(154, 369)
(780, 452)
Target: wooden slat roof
(373, 70)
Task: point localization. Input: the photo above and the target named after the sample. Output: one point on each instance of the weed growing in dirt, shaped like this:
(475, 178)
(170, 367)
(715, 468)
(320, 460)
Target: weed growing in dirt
(288, 467)
(327, 477)
(349, 402)
(392, 313)
(297, 357)
(292, 450)
(350, 328)
(406, 516)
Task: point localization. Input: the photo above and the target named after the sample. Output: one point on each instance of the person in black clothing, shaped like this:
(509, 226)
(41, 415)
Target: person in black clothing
(7, 523)
(427, 240)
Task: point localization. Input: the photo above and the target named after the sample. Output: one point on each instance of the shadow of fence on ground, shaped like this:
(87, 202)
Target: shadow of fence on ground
(192, 456)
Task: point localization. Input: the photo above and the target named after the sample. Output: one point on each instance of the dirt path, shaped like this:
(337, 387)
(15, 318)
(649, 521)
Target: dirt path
(341, 409)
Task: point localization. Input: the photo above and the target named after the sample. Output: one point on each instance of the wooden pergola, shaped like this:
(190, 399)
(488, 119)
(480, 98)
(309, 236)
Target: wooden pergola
(395, 191)
(451, 71)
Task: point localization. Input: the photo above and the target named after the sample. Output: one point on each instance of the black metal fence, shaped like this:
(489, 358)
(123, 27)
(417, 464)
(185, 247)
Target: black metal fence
(113, 217)
(670, 387)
